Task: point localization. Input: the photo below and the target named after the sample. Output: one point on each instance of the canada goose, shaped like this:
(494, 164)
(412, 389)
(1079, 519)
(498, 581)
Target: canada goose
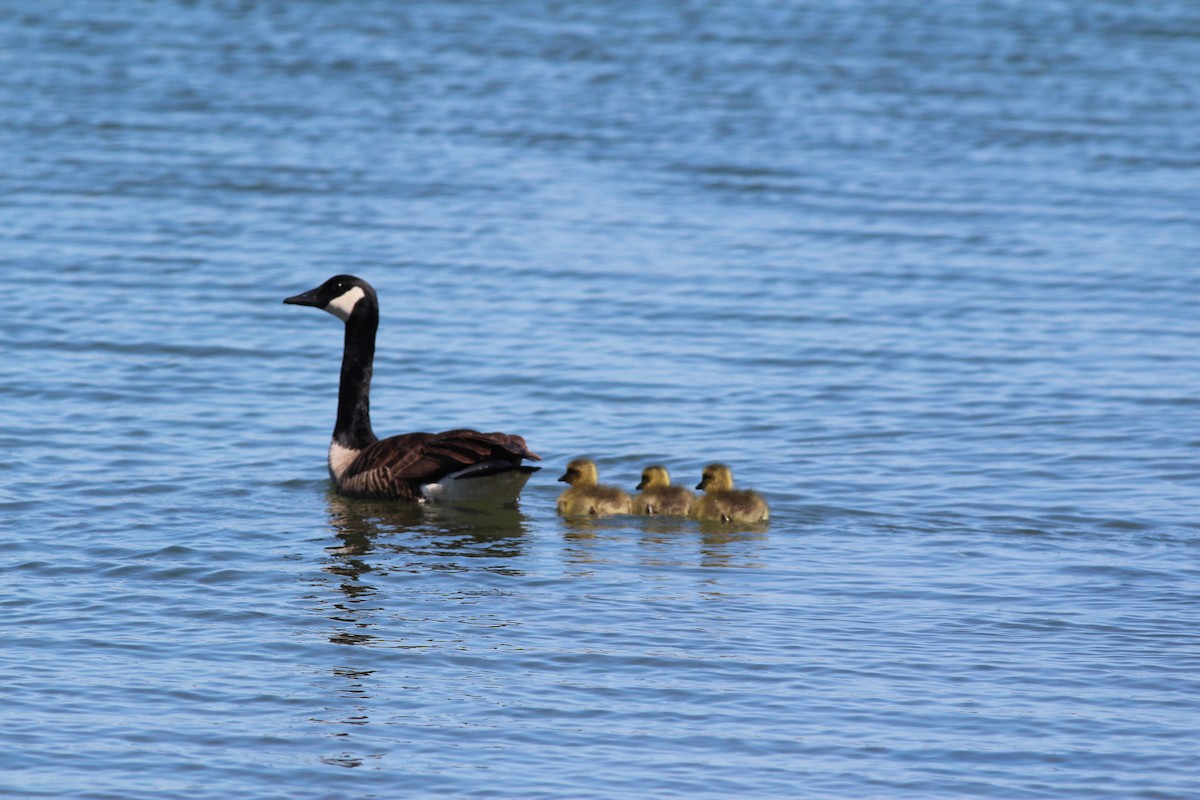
(658, 497)
(452, 466)
(586, 496)
(724, 503)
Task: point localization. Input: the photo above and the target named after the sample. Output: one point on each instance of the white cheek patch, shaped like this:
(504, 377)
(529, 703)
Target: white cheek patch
(343, 305)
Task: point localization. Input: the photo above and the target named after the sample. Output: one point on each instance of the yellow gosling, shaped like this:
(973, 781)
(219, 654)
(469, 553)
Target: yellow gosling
(658, 497)
(721, 502)
(586, 497)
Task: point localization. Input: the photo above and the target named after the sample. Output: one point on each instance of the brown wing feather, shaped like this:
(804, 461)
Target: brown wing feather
(399, 465)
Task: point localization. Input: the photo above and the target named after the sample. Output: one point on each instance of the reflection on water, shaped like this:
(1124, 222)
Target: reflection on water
(675, 542)
(354, 689)
(730, 548)
(663, 541)
(725, 546)
(925, 274)
(435, 537)
(394, 593)
(378, 540)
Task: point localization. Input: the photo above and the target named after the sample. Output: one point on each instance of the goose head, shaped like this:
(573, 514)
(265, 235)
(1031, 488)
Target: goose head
(581, 472)
(716, 478)
(655, 477)
(339, 296)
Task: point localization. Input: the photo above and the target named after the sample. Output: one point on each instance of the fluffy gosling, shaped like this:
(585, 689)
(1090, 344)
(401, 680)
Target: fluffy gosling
(586, 497)
(721, 502)
(658, 497)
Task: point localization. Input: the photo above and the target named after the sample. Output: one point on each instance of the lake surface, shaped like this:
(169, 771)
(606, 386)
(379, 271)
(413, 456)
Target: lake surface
(925, 274)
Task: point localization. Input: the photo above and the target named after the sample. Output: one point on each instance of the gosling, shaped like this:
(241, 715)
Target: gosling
(721, 502)
(586, 497)
(658, 497)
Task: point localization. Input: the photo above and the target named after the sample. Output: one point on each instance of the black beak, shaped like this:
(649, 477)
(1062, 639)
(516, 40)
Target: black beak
(308, 298)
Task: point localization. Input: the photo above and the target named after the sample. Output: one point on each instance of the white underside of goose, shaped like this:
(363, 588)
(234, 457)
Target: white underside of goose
(491, 482)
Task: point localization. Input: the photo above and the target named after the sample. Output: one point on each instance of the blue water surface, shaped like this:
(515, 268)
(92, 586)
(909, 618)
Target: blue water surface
(924, 274)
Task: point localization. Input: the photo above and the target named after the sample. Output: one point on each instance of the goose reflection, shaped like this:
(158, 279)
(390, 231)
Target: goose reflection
(379, 540)
(444, 538)
(354, 689)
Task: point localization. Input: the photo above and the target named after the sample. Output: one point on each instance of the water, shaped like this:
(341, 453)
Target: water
(925, 274)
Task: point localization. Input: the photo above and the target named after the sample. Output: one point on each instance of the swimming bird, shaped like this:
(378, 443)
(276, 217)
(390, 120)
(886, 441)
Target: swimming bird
(462, 466)
(658, 497)
(722, 502)
(586, 496)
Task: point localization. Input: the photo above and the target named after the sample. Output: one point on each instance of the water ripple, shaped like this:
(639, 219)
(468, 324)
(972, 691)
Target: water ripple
(923, 276)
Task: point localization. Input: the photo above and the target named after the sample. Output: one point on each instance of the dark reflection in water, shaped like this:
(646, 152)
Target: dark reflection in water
(432, 537)
(726, 546)
(354, 690)
(667, 541)
(382, 539)
(674, 542)
(924, 273)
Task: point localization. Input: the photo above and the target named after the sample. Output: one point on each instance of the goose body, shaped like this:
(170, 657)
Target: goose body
(461, 466)
(657, 497)
(586, 497)
(721, 502)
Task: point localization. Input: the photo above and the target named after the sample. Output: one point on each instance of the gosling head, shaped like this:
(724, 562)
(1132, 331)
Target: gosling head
(339, 296)
(655, 477)
(581, 472)
(716, 478)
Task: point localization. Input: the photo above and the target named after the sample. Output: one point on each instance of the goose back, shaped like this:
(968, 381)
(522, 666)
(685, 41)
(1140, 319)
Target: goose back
(403, 467)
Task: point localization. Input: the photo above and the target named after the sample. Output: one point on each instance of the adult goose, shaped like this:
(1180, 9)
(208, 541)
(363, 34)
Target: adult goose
(721, 502)
(460, 466)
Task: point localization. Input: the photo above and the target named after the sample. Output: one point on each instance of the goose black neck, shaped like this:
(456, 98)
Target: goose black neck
(353, 428)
